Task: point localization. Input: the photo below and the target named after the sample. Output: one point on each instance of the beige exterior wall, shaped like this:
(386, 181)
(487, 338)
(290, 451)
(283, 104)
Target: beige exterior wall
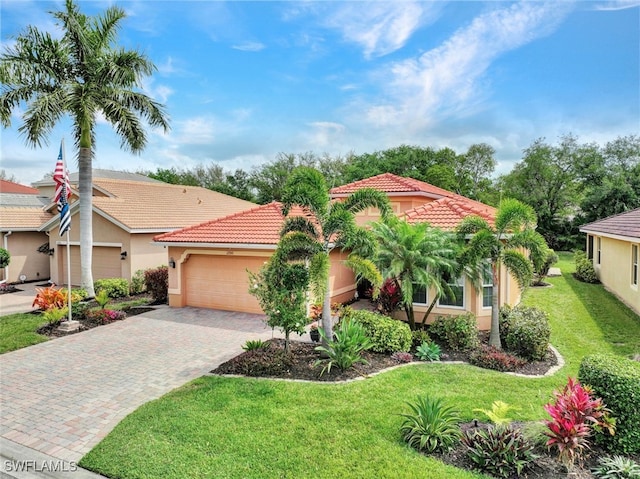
(613, 265)
(399, 204)
(25, 259)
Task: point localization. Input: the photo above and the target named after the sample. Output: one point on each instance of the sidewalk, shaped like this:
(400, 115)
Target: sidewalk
(20, 301)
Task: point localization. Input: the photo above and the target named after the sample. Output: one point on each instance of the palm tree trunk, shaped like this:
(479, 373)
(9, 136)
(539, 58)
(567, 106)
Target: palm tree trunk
(408, 308)
(86, 221)
(327, 321)
(494, 336)
(428, 312)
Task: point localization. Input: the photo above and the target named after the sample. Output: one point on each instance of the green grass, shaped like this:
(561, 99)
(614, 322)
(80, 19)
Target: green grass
(251, 428)
(19, 331)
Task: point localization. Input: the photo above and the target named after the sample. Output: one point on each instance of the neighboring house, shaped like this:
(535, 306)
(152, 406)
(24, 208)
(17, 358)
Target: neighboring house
(613, 245)
(209, 261)
(21, 215)
(128, 211)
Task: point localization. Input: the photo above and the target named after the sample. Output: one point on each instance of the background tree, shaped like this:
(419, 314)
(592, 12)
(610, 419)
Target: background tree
(474, 170)
(5, 258)
(82, 75)
(328, 225)
(415, 256)
(499, 245)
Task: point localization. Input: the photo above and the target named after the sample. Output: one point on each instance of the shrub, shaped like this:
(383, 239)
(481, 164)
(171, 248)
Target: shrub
(574, 413)
(617, 381)
(489, 357)
(387, 335)
(55, 314)
(617, 467)
(105, 316)
(402, 357)
(542, 264)
(428, 352)
(585, 271)
(50, 297)
(457, 332)
(253, 344)
(432, 426)
(346, 347)
(102, 298)
(156, 281)
(498, 413)
(389, 297)
(115, 287)
(526, 332)
(137, 285)
(5, 258)
(418, 337)
(499, 451)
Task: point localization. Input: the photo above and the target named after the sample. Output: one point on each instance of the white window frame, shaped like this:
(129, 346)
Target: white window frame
(458, 282)
(426, 294)
(634, 265)
(487, 285)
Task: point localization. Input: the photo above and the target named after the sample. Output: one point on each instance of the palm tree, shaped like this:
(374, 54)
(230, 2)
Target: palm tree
(328, 225)
(415, 255)
(82, 75)
(502, 244)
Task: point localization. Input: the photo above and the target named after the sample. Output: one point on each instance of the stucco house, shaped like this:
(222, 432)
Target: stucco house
(613, 245)
(209, 261)
(128, 211)
(22, 212)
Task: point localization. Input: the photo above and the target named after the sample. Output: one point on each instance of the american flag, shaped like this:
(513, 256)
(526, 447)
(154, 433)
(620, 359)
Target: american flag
(61, 177)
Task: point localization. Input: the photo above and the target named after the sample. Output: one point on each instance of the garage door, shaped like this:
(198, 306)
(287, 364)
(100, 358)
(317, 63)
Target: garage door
(221, 282)
(106, 263)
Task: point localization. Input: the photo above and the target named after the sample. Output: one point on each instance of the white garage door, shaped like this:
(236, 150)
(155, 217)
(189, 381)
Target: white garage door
(106, 263)
(221, 282)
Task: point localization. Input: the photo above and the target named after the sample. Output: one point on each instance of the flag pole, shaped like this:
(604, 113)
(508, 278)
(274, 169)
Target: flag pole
(64, 163)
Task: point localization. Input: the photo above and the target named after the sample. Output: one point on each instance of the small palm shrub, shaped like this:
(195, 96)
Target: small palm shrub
(457, 332)
(345, 349)
(254, 344)
(102, 298)
(115, 287)
(499, 451)
(387, 335)
(428, 352)
(431, 426)
(617, 467)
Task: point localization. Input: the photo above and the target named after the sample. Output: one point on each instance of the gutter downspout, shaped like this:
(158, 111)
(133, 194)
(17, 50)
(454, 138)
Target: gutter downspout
(6, 246)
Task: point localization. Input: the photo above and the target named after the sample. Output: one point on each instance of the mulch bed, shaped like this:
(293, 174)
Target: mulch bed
(272, 362)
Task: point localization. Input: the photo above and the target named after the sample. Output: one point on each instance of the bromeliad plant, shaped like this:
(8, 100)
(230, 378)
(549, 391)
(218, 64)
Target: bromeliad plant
(574, 414)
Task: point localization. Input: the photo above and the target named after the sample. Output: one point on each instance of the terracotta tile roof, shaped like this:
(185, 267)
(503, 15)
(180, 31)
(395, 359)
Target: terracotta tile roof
(160, 206)
(624, 224)
(11, 187)
(260, 225)
(447, 213)
(22, 218)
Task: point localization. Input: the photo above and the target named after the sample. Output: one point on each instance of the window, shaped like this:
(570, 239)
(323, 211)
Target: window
(599, 249)
(419, 294)
(487, 286)
(457, 290)
(634, 264)
(590, 246)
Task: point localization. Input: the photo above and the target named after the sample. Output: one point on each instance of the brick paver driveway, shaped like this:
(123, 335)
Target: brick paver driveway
(63, 396)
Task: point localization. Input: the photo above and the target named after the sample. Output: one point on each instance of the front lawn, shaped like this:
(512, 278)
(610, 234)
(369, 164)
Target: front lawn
(19, 331)
(237, 427)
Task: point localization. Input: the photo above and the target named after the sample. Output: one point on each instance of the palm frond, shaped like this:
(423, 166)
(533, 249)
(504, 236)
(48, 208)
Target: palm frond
(471, 225)
(300, 224)
(364, 269)
(296, 245)
(514, 216)
(368, 198)
(318, 274)
(518, 266)
(306, 187)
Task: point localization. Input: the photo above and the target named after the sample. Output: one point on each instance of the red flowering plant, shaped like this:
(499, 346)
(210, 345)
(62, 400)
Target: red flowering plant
(574, 414)
(105, 316)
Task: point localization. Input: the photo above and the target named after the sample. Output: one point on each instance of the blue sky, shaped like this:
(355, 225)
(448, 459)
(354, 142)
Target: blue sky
(243, 81)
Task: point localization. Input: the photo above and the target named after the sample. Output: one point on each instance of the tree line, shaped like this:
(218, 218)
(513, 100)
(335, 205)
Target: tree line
(568, 183)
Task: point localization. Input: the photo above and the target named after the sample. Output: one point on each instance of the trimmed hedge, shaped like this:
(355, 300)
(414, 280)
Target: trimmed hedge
(617, 381)
(115, 287)
(387, 335)
(458, 332)
(525, 331)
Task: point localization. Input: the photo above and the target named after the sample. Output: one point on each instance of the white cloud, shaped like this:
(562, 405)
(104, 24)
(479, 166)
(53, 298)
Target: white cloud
(198, 130)
(324, 134)
(249, 46)
(380, 27)
(449, 78)
(617, 5)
